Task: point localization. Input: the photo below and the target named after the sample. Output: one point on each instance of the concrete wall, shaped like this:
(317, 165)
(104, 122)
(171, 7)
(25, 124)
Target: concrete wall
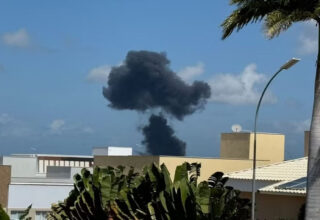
(41, 196)
(112, 151)
(138, 162)
(240, 145)
(21, 166)
(246, 185)
(269, 147)
(235, 145)
(277, 206)
(5, 176)
(209, 165)
(58, 172)
(45, 161)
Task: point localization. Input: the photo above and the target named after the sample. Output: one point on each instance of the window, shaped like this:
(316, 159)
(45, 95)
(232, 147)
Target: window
(41, 215)
(15, 215)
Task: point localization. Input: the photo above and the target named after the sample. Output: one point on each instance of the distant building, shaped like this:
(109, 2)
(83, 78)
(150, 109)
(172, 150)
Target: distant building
(40, 180)
(112, 150)
(236, 153)
(35, 165)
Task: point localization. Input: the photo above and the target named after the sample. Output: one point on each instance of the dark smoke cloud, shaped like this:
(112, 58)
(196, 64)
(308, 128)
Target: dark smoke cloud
(145, 81)
(159, 138)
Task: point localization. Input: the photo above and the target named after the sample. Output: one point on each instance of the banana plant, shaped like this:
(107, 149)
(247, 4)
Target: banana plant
(23, 216)
(94, 195)
(108, 193)
(218, 201)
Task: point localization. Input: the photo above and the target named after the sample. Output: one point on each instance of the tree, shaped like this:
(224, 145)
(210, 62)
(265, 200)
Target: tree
(278, 16)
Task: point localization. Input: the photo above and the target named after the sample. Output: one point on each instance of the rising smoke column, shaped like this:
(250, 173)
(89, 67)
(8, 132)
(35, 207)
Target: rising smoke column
(145, 81)
(160, 138)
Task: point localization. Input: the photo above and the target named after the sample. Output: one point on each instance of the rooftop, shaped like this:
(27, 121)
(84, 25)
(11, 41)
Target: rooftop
(251, 132)
(279, 189)
(283, 171)
(51, 155)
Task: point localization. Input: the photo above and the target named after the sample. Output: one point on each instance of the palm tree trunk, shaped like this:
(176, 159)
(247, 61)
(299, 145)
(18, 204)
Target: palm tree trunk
(313, 183)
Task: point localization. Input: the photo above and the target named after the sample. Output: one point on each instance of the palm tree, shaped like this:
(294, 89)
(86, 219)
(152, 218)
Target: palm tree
(278, 16)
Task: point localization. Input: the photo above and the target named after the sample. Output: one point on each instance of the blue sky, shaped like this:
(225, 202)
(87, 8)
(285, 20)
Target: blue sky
(55, 57)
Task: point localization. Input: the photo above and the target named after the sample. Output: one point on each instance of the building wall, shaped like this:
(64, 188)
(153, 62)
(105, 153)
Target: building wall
(138, 162)
(112, 151)
(240, 146)
(21, 166)
(208, 165)
(235, 145)
(45, 162)
(32, 213)
(5, 176)
(269, 147)
(41, 196)
(246, 185)
(277, 206)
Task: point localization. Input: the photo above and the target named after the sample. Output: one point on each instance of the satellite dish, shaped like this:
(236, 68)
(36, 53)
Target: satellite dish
(236, 128)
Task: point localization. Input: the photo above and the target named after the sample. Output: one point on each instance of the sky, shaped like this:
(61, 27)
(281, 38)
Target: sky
(55, 57)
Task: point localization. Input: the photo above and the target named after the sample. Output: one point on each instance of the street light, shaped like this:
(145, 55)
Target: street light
(285, 66)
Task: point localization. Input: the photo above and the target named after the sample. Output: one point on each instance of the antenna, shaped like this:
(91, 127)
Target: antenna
(236, 128)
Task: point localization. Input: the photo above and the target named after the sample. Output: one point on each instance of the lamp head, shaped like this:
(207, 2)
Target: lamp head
(290, 63)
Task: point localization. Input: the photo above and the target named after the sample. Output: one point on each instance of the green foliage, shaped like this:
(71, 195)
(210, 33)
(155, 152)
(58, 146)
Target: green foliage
(278, 15)
(108, 193)
(5, 216)
(25, 214)
(94, 195)
(157, 197)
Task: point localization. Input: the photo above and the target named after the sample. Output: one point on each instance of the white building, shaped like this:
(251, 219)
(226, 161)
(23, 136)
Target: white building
(43, 179)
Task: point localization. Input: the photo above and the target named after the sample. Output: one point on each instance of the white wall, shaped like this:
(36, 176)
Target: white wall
(40, 196)
(246, 185)
(120, 151)
(21, 166)
(112, 151)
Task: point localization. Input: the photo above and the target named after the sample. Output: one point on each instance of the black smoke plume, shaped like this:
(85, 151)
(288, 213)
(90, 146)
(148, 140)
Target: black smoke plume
(160, 139)
(145, 81)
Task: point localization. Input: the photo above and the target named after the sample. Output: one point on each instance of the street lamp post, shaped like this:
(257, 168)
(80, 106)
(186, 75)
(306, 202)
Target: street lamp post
(286, 66)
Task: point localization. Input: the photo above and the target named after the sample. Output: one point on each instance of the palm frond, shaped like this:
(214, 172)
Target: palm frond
(247, 11)
(275, 23)
(278, 21)
(278, 14)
